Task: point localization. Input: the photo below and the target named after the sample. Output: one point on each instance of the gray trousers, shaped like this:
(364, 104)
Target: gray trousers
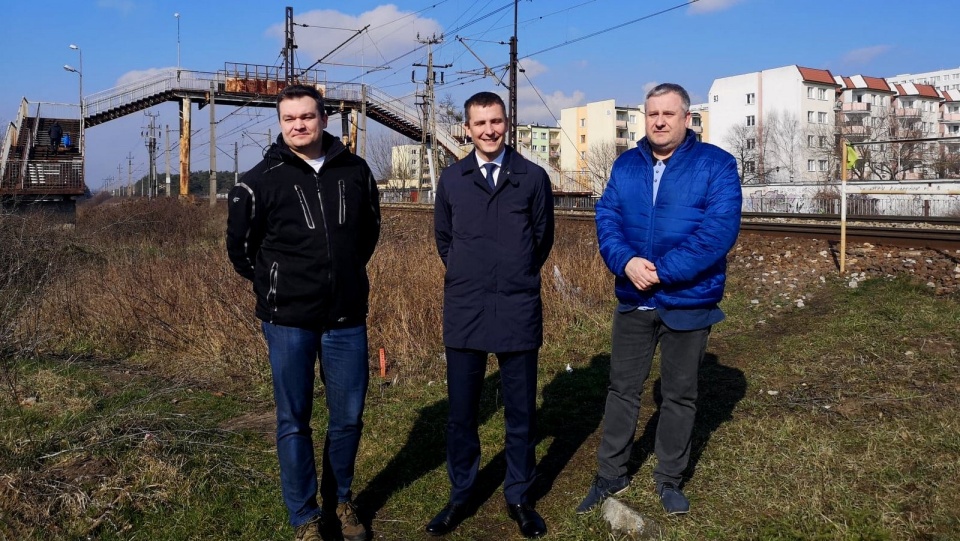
(635, 338)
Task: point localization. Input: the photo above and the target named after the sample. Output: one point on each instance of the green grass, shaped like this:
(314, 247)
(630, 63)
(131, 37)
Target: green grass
(838, 421)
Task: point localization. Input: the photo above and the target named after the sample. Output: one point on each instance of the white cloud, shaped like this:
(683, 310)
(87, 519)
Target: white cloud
(533, 110)
(864, 55)
(391, 33)
(139, 75)
(647, 87)
(707, 6)
(531, 68)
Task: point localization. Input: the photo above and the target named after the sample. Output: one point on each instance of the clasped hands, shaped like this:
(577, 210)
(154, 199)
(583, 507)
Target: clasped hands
(642, 273)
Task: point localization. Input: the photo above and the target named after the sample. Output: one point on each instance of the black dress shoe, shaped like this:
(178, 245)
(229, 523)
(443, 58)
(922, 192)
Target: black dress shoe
(530, 522)
(447, 519)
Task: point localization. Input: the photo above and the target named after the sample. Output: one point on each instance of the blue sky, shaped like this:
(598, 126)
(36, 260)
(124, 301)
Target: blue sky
(572, 52)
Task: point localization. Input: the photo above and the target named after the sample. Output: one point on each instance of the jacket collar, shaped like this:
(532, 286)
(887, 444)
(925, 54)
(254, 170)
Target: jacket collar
(689, 140)
(331, 145)
(514, 168)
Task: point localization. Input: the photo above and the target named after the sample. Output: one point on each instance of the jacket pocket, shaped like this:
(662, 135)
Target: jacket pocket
(307, 215)
(342, 215)
(272, 292)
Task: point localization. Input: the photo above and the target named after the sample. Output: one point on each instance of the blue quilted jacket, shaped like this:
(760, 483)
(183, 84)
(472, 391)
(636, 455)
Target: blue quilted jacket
(686, 234)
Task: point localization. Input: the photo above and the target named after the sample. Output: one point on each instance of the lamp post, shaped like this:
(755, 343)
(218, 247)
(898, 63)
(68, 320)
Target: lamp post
(177, 16)
(79, 72)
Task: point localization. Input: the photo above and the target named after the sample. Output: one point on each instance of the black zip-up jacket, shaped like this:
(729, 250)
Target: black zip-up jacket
(304, 238)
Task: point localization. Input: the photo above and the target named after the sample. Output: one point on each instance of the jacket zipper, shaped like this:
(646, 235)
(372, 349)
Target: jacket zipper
(343, 204)
(272, 293)
(303, 204)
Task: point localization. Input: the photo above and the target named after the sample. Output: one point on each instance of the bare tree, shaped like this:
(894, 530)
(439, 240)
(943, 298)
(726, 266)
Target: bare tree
(742, 142)
(599, 161)
(380, 155)
(782, 148)
(895, 153)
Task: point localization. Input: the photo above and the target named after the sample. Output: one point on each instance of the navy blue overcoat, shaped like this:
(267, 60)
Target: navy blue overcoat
(493, 244)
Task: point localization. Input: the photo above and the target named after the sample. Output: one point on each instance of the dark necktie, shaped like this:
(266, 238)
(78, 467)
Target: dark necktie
(490, 167)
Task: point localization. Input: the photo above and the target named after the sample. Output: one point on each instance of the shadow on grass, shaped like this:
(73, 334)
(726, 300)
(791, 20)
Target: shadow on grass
(571, 411)
(720, 389)
(425, 450)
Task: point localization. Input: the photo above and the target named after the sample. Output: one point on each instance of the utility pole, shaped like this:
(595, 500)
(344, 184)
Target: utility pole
(130, 172)
(236, 163)
(168, 160)
(289, 47)
(512, 139)
(151, 142)
(428, 141)
(213, 147)
(120, 180)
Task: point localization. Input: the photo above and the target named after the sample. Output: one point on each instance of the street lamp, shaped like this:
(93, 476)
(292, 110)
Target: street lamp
(79, 72)
(177, 16)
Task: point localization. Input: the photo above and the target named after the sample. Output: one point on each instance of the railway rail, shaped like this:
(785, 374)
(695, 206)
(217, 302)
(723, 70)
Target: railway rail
(904, 231)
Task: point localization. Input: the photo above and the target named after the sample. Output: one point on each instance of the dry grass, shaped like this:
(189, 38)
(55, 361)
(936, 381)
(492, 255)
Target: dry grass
(836, 421)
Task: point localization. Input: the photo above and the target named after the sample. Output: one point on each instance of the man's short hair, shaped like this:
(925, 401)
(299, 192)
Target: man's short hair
(301, 91)
(482, 99)
(666, 88)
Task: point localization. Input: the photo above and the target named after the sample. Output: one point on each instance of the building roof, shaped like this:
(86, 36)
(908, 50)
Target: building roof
(950, 95)
(863, 82)
(912, 89)
(812, 75)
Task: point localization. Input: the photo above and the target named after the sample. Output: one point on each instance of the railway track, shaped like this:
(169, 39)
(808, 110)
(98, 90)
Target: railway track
(904, 231)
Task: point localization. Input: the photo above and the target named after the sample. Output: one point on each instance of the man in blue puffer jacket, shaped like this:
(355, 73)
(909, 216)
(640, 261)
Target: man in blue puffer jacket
(666, 220)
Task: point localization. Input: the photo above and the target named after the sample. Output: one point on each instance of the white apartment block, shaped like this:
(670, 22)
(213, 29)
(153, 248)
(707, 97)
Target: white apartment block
(766, 119)
(405, 160)
(542, 141)
(948, 79)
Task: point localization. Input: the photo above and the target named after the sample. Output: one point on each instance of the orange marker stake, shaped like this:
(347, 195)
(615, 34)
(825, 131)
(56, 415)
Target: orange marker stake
(383, 363)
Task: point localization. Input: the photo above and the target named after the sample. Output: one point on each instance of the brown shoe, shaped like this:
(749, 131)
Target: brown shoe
(350, 525)
(309, 531)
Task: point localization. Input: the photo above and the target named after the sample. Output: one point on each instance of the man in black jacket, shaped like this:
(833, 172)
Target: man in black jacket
(493, 222)
(303, 223)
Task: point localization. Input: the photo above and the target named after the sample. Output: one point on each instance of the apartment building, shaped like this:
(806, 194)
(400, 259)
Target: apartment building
(406, 167)
(766, 118)
(542, 141)
(593, 135)
(947, 79)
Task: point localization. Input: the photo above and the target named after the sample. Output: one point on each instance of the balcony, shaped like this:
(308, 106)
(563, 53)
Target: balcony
(855, 130)
(622, 124)
(950, 117)
(621, 141)
(907, 112)
(697, 129)
(525, 139)
(857, 108)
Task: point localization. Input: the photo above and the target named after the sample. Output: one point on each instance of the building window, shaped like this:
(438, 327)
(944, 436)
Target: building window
(583, 138)
(751, 143)
(751, 120)
(583, 122)
(809, 140)
(823, 165)
(823, 141)
(823, 94)
(583, 155)
(633, 136)
(751, 98)
(821, 118)
(716, 98)
(810, 92)
(749, 167)
(811, 166)
(695, 121)
(810, 116)
(633, 119)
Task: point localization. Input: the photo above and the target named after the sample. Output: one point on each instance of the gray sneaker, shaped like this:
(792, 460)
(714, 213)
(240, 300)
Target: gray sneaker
(600, 490)
(673, 500)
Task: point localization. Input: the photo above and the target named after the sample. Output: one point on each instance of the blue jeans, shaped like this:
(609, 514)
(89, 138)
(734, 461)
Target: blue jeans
(344, 372)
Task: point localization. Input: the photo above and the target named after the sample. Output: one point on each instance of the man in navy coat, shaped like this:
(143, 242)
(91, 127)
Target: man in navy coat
(493, 223)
